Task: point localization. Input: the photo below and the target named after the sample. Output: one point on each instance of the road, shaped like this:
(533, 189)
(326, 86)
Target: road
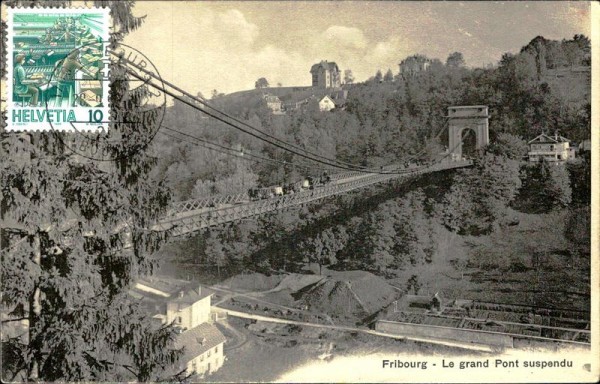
(447, 343)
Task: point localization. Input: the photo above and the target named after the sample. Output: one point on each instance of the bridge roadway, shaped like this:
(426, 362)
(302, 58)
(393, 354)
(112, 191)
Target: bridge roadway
(193, 215)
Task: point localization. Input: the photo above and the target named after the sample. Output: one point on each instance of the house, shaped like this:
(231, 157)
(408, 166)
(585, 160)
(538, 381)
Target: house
(274, 104)
(326, 75)
(413, 65)
(186, 305)
(549, 148)
(294, 105)
(203, 349)
(326, 104)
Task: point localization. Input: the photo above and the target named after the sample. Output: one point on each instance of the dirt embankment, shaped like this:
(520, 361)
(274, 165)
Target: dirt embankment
(350, 295)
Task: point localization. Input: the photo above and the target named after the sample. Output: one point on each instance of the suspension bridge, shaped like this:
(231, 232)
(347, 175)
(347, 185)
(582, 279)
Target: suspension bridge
(192, 215)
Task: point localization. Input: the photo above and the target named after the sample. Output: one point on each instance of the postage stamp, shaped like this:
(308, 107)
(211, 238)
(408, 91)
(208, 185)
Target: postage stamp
(57, 69)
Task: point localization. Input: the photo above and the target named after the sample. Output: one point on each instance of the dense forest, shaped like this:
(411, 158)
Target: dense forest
(386, 120)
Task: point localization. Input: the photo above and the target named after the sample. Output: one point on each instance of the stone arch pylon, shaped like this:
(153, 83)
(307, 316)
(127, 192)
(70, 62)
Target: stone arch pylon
(461, 118)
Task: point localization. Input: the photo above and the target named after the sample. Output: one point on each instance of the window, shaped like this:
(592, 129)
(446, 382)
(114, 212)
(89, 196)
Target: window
(202, 357)
(179, 320)
(208, 354)
(216, 349)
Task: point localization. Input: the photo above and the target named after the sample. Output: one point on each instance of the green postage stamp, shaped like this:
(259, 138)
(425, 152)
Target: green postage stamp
(57, 69)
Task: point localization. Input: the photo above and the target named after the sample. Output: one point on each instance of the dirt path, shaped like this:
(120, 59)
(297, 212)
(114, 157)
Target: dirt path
(240, 338)
(248, 295)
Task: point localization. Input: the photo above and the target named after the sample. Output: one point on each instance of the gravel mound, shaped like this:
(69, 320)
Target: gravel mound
(349, 294)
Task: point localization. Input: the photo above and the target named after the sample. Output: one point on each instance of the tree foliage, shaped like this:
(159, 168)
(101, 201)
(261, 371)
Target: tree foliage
(479, 196)
(545, 187)
(383, 122)
(389, 76)
(63, 271)
(456, 60)
(261, 83)
(348, 76)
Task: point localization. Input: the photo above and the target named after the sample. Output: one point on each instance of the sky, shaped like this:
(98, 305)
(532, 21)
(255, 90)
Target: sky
(227, 46)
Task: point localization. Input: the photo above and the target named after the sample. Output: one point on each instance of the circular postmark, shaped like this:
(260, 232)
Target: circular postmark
(124, 83)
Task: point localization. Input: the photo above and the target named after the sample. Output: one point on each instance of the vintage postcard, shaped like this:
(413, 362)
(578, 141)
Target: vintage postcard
(314, 191)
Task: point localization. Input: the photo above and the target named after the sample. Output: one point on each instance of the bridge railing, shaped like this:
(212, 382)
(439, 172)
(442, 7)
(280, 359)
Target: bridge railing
(188, 221)
(215, 201)
(210, 202)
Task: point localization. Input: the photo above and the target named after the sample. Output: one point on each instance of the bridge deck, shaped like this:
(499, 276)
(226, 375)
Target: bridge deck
(190, 216)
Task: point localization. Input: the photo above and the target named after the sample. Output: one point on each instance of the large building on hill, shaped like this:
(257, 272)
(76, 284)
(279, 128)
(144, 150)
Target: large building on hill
(186, 305)
(413, 65)
(550, 148)
(326, 75)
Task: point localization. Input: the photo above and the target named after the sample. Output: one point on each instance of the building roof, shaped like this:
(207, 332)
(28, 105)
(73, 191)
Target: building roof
(162, 289)
(467, 106)
(327, 97)
(331, 66)
(198, 340)
(543, 139)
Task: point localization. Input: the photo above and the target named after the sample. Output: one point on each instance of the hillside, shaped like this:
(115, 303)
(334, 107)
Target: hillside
(452, 230)
(286, 94)
(571, 84)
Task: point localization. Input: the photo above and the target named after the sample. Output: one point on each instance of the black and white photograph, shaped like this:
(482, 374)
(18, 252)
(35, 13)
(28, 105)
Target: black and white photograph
(299, 191)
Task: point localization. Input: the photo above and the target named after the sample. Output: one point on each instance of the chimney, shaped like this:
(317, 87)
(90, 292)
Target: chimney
(181, 293)
(199, 289)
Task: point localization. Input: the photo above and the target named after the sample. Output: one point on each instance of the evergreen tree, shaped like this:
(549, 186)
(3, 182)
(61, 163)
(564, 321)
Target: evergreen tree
(378, 76)
(65, 273)
(389, 76)
(348, 76)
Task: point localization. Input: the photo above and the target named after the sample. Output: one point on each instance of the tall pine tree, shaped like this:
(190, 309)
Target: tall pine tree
(64, 277)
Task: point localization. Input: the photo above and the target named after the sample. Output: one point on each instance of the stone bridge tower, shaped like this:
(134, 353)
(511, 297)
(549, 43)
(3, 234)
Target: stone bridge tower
(461, 118)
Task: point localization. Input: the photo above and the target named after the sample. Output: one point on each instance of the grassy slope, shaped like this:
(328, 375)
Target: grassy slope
(561, 280)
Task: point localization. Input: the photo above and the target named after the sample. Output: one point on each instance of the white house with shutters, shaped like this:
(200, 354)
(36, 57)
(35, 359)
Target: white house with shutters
(187, 306)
